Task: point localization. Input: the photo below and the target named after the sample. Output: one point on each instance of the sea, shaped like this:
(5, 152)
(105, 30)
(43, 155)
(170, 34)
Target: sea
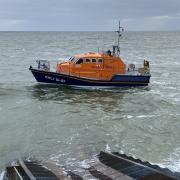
(71, 125)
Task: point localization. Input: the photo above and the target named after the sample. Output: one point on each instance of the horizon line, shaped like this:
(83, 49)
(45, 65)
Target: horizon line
(88, 31)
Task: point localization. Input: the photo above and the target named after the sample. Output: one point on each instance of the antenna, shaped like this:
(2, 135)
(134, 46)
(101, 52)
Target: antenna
(117, 47)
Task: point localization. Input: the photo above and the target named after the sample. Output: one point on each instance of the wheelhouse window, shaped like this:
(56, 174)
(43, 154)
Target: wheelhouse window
(88, 60)
(94, 60)
(79, 61)
(72, 59)
(100, 60)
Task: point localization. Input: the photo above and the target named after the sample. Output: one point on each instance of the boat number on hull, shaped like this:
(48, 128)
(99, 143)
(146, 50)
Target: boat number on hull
(55, 79)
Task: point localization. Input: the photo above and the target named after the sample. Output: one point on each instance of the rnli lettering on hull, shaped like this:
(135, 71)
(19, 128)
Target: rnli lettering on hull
(55, 79)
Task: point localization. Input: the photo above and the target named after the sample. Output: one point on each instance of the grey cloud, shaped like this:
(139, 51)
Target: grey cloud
(88, 14)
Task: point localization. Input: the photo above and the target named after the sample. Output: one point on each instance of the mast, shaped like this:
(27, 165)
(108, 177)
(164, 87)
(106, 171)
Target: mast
(116, 48)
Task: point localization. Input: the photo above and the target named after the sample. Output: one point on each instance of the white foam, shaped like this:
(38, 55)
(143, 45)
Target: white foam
(159, 82)
(144, 116)
(84, 164)
(2, 175)
(107, 149)
(173, 162)
(177, 99)
(174, 165)
(129, 116)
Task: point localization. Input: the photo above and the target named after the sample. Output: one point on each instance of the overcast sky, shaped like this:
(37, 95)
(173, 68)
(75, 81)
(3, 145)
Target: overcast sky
(89, 15)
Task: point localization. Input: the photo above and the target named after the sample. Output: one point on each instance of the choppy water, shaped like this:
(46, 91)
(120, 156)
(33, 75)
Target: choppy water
(68, 125)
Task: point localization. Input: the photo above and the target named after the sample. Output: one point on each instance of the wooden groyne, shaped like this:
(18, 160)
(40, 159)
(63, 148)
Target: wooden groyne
(107, 166)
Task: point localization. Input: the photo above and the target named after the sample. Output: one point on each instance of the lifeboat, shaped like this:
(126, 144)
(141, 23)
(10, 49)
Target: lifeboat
(105, 68)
